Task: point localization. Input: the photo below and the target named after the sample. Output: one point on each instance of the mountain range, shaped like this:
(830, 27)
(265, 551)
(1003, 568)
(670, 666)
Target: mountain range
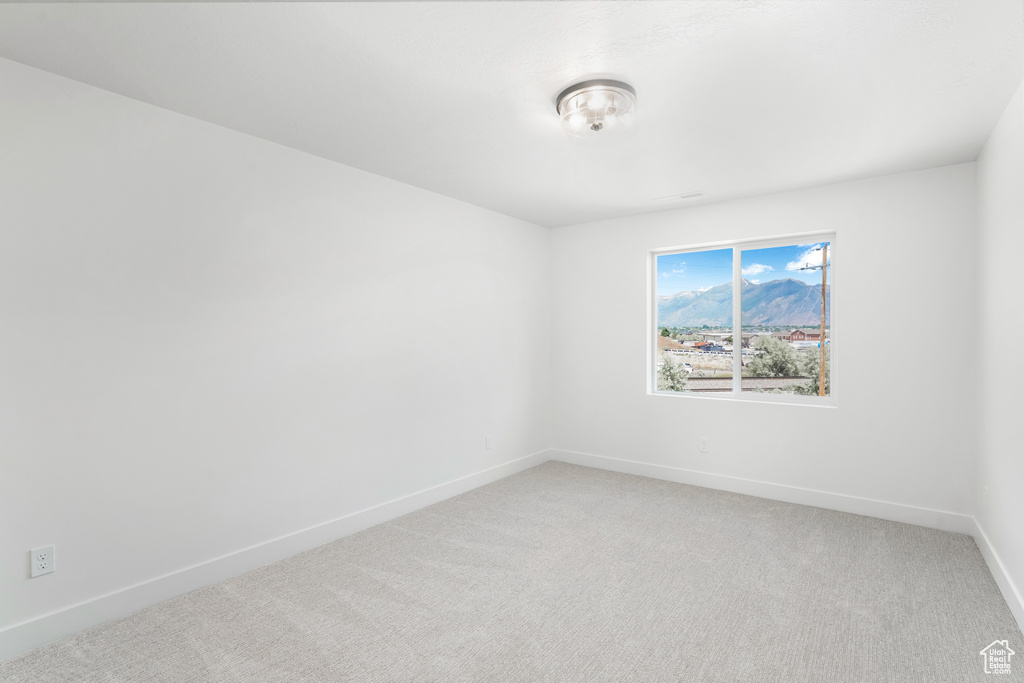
(785, 302)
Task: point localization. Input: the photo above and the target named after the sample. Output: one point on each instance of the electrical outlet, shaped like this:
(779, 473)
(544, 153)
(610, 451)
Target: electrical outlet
(488, 443)
(703, 444)
(42, 561)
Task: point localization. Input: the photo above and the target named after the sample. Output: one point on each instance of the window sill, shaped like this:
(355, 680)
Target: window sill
(790, 400)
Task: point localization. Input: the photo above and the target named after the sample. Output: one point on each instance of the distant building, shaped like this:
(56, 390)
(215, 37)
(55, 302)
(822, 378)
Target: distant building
(800, 335)
(806, 335)
(750, 338)
(715, 337)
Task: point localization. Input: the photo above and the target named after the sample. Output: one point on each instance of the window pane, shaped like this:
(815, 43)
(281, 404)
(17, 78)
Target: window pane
(694, 321)
(783, 323)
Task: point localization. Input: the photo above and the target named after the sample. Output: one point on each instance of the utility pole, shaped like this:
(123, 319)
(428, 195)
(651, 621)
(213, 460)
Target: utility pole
(821, 339)
(824, 291)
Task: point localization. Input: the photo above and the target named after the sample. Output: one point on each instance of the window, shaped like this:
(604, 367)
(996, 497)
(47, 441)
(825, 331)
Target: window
(750, 319)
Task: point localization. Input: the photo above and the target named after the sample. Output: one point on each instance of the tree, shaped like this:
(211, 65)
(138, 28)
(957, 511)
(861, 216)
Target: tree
(811, 368)
(775, 358)
(665, 332)
(671, 375)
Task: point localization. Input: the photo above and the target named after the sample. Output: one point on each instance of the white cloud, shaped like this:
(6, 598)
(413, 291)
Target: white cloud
(756, 269)
(755, 282)
(809, 259)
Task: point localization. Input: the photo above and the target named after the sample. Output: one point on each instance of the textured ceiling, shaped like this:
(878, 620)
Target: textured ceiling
(735, 98)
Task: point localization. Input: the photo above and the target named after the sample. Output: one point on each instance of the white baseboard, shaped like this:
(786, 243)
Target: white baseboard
(1011, 594)
(47, 628)
(27, 635)
(934, 519)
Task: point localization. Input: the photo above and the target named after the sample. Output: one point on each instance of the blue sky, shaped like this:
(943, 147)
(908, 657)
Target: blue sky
(696, 270)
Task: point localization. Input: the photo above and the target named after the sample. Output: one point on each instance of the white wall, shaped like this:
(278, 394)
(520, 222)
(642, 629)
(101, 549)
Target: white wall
(210, 341)
(1000, 509)
(903, 428)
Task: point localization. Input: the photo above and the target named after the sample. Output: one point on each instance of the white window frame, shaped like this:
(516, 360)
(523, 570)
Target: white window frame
(739, 246)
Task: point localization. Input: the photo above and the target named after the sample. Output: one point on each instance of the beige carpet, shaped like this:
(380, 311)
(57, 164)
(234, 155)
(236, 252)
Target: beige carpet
(564, 573)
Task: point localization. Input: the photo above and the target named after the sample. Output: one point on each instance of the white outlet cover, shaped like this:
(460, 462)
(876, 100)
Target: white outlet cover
(43, 561)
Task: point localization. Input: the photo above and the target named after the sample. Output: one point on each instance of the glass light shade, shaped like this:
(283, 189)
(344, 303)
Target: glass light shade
(596, 108)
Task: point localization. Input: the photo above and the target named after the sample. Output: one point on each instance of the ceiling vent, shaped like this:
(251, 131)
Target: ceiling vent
(680, 197)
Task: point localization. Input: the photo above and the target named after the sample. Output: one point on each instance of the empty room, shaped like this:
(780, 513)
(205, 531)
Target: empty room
(512, 341)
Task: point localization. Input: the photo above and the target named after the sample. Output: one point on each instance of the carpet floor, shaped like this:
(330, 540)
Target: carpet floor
(565, 573)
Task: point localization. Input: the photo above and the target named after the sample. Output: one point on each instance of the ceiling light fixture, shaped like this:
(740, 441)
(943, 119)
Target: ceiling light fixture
(596, 107)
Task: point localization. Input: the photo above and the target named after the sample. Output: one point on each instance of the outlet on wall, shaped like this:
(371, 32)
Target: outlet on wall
(42, 561)
(488, 443)
(702, 444)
